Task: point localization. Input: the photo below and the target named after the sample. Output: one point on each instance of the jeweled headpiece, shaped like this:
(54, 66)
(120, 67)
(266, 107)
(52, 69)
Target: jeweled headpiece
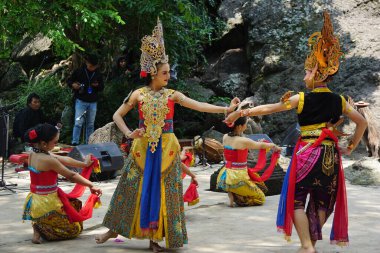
(325, 50)
(152, 51)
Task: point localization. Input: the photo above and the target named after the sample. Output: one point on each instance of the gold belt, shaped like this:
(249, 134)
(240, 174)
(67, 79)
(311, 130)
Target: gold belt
(324, 142)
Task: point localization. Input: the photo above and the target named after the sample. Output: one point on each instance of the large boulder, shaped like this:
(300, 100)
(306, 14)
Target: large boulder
(13, 76)
(270, 90)
(229, 75)
(274, 40)
(196, 91)
(33, 52)
(366, 171)
(230, 9)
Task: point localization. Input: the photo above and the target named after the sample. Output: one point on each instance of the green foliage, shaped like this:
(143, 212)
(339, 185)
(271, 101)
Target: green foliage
(54, 97)
(72, 24)
(110, 100)
(109, 26)
(102, 25)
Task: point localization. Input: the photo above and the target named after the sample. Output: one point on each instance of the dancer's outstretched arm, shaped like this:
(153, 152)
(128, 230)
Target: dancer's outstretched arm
(181, 99)
(264, 109)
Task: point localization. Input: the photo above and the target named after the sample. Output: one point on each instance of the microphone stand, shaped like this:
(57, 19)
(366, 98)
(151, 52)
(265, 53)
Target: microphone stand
(84, 115)
(5, 133)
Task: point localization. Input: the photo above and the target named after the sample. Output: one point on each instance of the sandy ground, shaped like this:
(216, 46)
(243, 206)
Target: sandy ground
(212, 226)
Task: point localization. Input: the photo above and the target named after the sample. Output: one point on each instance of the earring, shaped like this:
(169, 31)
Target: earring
(152, 77)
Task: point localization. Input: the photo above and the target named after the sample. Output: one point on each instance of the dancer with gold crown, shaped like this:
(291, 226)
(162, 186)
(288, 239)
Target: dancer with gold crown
(316, 167)
(148, 201)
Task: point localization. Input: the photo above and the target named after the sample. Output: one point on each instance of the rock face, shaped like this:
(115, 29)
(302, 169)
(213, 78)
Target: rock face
(32, 52)
(275, 38)
(13, 76)
(366, 171)
(229, 75)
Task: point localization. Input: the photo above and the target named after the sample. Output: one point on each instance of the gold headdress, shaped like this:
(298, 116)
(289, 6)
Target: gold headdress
(325, 50)
(152, 51)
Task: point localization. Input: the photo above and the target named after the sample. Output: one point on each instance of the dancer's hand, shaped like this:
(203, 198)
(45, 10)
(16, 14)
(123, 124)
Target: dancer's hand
(276, 148)
(233, 104)
(95, 190)
(194, 180)
(87, 160)
(137, 133)
(231, 118)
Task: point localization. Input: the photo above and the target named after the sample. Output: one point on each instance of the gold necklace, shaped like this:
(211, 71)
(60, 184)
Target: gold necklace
(154, 109)
(156, 94)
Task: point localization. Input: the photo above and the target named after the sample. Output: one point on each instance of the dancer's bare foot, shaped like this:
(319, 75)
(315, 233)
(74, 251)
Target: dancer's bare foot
(36, 236)
(306, 250)
(155, 247)
(231, 198)
(104, 237)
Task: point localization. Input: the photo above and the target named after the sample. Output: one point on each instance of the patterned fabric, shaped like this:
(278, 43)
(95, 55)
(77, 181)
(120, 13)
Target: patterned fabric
(322, 189)
(55, 214)
(167, 128)
(123, 215)
(154, 108)
(327, 192)
(234, 178)
(45, 212)
(306, 162)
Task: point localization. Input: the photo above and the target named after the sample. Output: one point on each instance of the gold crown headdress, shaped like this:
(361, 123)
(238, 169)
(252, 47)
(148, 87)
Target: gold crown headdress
(325, 50)
(152, 51)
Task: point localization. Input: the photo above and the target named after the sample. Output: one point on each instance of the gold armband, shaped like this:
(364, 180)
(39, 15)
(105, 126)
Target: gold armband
(285, 99)
(180, 101)
(349, 109)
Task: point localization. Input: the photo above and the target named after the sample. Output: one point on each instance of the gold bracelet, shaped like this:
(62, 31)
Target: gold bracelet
(225, 112)
(180, 101)
(244, 112)
(288, 105)
(350, 146)
(128, 134)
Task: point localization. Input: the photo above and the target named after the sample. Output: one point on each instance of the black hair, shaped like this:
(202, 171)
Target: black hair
(92, 58)
(30, 98)
(148, 79)
(42, 132)
(121, 58)
(239, 122)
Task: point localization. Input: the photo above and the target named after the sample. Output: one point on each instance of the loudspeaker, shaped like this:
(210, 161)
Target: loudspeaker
(108, 154)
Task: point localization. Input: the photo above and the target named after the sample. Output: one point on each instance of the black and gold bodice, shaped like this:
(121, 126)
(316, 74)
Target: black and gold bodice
(319, 107)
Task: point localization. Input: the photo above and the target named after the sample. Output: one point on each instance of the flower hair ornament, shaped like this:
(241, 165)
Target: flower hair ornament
(152, 51)
(32, 134)
(325, 51)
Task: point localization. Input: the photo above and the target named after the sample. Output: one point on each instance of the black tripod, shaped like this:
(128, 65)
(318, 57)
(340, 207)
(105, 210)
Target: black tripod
(4, 127)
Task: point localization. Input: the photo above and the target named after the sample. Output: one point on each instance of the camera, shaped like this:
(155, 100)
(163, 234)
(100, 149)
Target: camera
(81, 88)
